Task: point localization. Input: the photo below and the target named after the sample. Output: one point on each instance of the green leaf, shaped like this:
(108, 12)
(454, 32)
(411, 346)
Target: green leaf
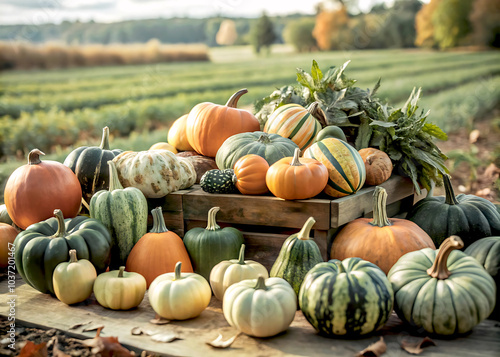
(364, 134)
(375, 88)
(435, 131)
(316, 73)
(305, 78)
(384, 124)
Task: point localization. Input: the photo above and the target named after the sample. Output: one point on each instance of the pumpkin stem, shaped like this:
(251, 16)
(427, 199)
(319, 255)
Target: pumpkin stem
(340, 267)
(61, 227)
(120, 271)
(34, 157)
(105, 139)
(317, 113)
(241, 258)
(295, 160)
(212, 223)
(114, 181)
(450, 194)
(72, 256)
(261, 283)
(439, 268)
(233, 101)
(264, 138)
(158, 221)
(379, 208)
(306, 229)
(177, 271)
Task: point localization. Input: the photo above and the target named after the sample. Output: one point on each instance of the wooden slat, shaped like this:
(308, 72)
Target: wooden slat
(263, 248)
(321, 238)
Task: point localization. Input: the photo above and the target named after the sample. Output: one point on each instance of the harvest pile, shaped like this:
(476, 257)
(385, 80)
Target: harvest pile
(373, 263)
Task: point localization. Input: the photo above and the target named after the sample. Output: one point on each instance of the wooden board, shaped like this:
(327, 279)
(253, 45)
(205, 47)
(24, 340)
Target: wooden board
(300, 339)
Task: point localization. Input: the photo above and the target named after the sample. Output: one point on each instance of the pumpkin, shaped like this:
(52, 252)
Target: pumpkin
(42, 246)
(7, 236)
(380, 240)
(219, 181)
(177, 134)
(260, 307)
(292, 178)
(200, 163)
(179, 296)
(158, 251)
(298, 254)
(468, 216)
(119, 290)
(35, 190)
(443, 291)
(345, 166)
(350, 298)
(487, 252)
(331, 131)
(74, 280)
(250, 171)
(124, 212)
(271, 147)
(90, 165)
(163, 146)
(189, 178)
(156, 172)
(188, 154)
(295, 122)
(208, 124)
(4, 215)
(209, 246)
(378, 166)
(229, 272)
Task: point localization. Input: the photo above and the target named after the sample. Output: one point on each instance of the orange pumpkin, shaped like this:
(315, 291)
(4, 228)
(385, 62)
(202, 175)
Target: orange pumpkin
(292, 178)
(35, 190)
(7, 235)
(378, 166)
(163, 146)
(209, 125)
(177, 134)
(380, 240)
(250, 171)
(158, 251)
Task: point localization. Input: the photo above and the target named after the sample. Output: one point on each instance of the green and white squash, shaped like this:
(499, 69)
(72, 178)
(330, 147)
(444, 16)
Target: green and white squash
(219, 181)
(4, 215)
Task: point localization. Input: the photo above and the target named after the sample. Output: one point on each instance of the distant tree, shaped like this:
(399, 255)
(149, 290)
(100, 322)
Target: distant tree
(485, 19)
(451, 22)
(262, 33)
(227, 35)
(298, 33)
(424, 24)
(329, 28)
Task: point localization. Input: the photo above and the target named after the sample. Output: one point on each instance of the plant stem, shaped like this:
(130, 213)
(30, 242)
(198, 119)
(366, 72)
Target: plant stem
(306, 229)
(264, 138)
(120, 271)
(261, 283)
(295, 160)
(114, 181)
(241, 258)
(212, 223)
(105, 139)
(34, 157)
(380, 218)
(72, 256)
(61, 227)
(439, 268)
(233, 101)
(177, 271)
(450, 194)
(158, 221)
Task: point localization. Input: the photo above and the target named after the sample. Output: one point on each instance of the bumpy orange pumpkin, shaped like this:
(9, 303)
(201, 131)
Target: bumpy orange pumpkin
(378, 166)
(292, 178)
(177, 134)
(7, 235)
(209, 125)
(250, 171)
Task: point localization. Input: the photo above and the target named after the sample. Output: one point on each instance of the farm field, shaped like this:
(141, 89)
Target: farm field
(58, 110)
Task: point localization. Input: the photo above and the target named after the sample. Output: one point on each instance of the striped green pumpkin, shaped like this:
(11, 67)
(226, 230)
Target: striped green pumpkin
(294, 122)
(345, 166)
(352, 297)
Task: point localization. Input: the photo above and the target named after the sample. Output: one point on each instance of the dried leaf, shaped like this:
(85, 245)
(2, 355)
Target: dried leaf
(375, 349)
(474, 135)
(30, 349)
(93, 328)
(416, 348)
(56, 352)
(218, 343)
(165, 337)
(107, 346)
(74, 327)
(158, 320)
(137, 331)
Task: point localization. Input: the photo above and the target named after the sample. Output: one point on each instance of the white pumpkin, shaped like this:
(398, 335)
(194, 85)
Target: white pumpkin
(190, 176)
(229, 272)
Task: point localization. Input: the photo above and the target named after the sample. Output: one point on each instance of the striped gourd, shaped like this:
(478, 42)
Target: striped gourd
(345, 166)
(352, 297)
(294, 122)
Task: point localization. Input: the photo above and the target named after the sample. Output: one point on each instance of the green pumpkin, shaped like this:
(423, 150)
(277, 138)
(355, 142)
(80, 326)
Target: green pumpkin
(124, 212)
(219, 181)
(331, 131)
(443, 291)
(90, 165)
(352, 297)
(271, 147)
(209, 246)
(487, 252)
(4, 215)
(468, 216)
(297, 256)
(42, 246)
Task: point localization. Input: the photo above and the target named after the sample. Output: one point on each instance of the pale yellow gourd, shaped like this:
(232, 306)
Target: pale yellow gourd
(260, 307)
(179, 296)
(229, 272)
(119, 290)
(73, 281)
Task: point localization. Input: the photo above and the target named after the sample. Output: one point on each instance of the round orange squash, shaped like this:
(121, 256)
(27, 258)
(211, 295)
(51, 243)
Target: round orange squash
(7, 235)
(209, 124)
(163, 146)
(35, 190)
(250, 171)
(378, 166)
(177, 134)
(381, 241)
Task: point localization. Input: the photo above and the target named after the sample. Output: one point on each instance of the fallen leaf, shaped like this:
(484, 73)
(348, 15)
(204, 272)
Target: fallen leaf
(375, 349)
(93, 328)
(158, 320)
(218, 343)
(30, 349)
(107, 346)
(74, 327)
(137, 331)
(474, 135)
(56, 352)
(416, 348)
(165, 337)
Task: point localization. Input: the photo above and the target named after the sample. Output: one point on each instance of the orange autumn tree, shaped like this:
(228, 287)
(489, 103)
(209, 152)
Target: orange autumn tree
(424, 25)
(329, 27)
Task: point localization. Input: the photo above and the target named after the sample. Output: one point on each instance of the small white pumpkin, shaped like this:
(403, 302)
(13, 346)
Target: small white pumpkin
(229, 272)
(179, 296)
(260, 308)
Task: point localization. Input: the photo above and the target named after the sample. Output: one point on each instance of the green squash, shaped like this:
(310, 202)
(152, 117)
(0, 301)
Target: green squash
(124, 212)
(271, 147)
(443, 291)
(350, 298)
(297, 256)
(209, 246)
(219, 181)
(468, 216)
(331, 131)
(42, 246)
(487, 252)
(4, 215)
(90, 165)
